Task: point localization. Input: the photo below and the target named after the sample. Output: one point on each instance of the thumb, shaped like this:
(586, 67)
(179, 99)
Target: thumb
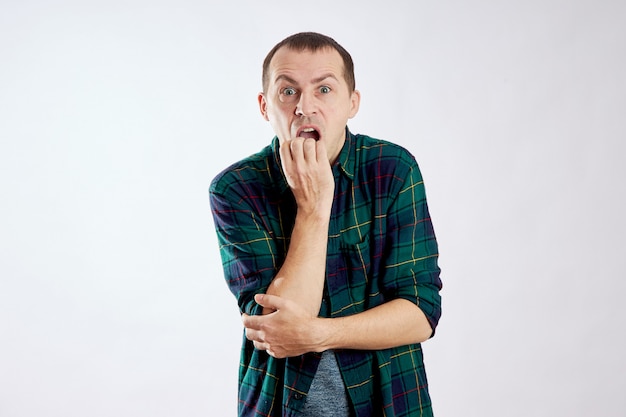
(273, 302)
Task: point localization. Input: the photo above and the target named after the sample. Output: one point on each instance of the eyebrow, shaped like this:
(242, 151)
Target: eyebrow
(314, 81)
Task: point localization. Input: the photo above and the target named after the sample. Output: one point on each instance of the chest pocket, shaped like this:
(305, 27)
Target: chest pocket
(359, 279)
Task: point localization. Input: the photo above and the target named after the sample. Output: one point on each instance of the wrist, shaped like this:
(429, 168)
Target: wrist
(328, 333)
(315, 219)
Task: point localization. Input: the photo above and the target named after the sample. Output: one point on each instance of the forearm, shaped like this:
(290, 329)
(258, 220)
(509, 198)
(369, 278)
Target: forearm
(396, 323)
(301, 277)
(290, 330)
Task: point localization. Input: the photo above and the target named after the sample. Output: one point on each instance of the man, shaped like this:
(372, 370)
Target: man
(328, 246)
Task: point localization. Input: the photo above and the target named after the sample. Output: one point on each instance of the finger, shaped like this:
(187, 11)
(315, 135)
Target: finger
(284, 149)
(321, 154)
(266, 347)
(296, 146)
(261, 345)
(251, 322)
(273, 302)
(250, 335)
(309, 149)
(255, 336)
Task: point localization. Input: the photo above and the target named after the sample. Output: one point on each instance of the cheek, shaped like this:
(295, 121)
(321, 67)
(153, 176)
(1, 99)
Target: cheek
(279, 119)
(274, 112)
(280, 109)
(280, 125)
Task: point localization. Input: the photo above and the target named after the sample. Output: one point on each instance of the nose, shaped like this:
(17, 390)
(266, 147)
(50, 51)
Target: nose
(306, 106)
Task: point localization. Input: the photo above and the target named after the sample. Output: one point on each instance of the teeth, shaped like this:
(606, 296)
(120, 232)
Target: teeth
(308, 129)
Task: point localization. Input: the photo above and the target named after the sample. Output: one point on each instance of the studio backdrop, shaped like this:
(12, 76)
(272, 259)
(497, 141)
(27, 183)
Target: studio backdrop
(116, 115)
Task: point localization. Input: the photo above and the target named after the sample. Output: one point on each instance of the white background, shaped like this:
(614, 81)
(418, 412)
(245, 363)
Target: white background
(115, 116)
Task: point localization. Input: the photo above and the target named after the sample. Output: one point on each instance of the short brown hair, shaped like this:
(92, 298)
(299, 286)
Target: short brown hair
(311, 41)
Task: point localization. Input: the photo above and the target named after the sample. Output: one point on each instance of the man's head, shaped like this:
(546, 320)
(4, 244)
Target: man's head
(308, 90)
(313, 42)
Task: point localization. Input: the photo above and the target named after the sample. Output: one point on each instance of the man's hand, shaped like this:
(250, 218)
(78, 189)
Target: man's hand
(288, 331)
(306, 166)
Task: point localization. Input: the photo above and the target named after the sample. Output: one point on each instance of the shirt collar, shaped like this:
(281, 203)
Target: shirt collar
(346, 158)
(277, 173)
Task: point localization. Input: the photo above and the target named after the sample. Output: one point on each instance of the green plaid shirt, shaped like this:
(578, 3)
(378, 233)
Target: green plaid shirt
(381, 246)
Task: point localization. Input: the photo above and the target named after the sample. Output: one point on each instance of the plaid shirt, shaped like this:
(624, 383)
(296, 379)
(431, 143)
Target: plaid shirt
(381, 246)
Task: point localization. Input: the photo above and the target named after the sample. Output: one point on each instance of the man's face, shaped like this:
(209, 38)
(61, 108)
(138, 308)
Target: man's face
(307, 96)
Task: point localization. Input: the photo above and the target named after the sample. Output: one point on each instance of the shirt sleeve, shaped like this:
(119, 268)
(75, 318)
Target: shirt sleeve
(411, 270)
(247, 248)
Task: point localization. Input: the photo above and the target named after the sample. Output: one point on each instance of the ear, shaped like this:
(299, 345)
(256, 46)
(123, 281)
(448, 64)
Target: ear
(355, 102)
(263, 106)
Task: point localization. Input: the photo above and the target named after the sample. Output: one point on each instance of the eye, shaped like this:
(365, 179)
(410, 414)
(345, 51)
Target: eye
(325, 89)
(289, 91)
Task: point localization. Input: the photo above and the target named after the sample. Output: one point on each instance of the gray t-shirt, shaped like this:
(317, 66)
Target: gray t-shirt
(328, 396)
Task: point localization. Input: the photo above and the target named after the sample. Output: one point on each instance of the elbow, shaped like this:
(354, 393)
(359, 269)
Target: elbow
(424, 330)
(303, 297)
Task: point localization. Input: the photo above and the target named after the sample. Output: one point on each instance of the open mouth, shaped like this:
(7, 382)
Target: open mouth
(309, 133)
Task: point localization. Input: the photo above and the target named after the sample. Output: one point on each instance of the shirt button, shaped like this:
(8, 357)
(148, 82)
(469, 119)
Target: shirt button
(298, 396)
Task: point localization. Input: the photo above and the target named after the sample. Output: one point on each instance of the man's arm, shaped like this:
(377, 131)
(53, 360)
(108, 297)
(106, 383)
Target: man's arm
(308, 173)
(289, 331)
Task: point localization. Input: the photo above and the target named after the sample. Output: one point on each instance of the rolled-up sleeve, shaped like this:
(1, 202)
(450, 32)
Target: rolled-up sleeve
(247, 249)
(411, 267)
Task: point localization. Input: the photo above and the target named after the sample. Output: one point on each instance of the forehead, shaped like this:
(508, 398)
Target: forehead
(305, 65)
